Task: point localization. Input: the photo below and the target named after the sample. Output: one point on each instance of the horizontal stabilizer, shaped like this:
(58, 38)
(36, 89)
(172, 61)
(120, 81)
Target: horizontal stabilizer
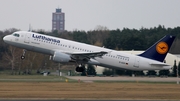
(159, 64)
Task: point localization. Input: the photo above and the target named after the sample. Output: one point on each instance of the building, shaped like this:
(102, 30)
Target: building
(58, 20)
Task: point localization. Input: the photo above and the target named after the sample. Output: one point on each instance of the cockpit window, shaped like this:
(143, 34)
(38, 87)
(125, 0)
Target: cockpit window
(15, 34)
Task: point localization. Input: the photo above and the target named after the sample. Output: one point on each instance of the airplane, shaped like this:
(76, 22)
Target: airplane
(67, 51)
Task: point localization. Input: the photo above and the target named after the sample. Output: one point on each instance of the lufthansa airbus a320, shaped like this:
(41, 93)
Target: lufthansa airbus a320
(65, 51)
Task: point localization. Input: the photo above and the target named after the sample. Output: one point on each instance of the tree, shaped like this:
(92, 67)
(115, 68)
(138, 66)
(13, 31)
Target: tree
(139, 73)
(12, 56)
(179, 68)
(120, 72)
(164, 72)
(29, 62)
(175, 69)
(128, 72)
(80, 36)
(107, 72)
(151, 72)
(97, 36)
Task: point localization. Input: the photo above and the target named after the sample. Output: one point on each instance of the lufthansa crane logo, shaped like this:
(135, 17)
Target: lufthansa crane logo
(162, 47)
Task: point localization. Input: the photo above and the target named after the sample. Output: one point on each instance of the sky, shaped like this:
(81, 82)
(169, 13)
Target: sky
(88, 14)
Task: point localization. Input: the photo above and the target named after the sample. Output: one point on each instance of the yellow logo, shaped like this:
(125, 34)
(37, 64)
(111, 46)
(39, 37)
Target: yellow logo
(162, 47)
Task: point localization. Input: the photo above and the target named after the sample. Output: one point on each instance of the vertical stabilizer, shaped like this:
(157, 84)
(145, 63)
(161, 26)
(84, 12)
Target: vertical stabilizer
(159, 50)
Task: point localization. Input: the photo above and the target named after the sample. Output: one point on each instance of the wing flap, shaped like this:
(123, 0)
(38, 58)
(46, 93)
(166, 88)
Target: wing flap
(86, 55)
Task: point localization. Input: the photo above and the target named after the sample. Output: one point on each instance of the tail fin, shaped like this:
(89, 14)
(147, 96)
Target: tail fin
(159, 50)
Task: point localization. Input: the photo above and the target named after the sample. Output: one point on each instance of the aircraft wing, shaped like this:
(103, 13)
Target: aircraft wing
(86, 55)
(90, 54)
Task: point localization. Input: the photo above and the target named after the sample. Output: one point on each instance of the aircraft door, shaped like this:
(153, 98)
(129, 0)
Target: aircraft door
(27, 38)
(136, 62)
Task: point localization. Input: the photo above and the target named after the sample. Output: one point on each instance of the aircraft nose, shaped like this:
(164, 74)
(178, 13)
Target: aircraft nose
(5, 38)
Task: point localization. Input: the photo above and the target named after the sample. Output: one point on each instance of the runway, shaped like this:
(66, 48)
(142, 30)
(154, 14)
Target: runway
(125, 78)
(78, 100)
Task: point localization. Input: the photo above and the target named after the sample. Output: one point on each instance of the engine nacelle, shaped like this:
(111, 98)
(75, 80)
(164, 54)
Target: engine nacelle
(93, 62)
(61, 57)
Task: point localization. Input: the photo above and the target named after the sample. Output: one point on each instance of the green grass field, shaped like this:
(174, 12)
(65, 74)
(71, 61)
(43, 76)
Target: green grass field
(55, 87)
(35, 78)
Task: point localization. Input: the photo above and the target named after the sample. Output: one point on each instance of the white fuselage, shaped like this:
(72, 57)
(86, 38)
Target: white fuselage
(113, 59)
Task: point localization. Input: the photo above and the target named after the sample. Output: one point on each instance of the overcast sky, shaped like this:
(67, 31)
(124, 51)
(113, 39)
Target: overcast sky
(88, 14)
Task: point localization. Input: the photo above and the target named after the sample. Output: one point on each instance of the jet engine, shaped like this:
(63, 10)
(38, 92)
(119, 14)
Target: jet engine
(61, 57)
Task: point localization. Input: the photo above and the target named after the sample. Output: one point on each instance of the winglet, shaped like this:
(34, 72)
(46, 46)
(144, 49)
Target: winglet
(159, 50)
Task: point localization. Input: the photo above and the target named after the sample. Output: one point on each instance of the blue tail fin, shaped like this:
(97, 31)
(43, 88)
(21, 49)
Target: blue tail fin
(159, 50)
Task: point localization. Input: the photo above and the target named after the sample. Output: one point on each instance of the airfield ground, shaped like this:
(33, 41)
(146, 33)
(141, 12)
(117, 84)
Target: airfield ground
(88, 90)
(91, 90)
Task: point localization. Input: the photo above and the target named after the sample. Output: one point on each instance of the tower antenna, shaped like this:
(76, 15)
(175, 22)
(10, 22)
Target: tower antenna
(30, 28)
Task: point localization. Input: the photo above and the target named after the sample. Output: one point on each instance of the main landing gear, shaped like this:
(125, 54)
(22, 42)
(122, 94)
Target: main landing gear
(23, 55)
(79, 68)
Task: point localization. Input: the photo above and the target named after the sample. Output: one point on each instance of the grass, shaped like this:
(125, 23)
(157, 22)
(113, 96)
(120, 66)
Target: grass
(52, 87)
(33, 78)
(59, 90)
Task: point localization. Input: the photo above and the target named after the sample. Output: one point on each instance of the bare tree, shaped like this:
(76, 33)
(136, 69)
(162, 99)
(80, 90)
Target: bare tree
(97, 36)
(11, 56)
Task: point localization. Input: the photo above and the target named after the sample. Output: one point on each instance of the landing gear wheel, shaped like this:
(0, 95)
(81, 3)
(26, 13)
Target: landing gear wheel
(22, 57)
(79, 69)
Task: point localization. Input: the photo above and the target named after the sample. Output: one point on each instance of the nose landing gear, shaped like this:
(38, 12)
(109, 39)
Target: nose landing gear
(23, 55)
